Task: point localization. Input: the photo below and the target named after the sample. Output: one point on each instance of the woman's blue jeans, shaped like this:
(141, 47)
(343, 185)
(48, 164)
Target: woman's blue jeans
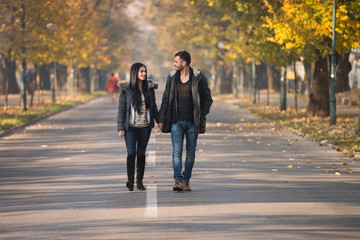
(178, 131)
(136, 140)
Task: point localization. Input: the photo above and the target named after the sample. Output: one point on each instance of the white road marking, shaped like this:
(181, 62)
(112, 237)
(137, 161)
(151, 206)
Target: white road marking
(151, 159)
(151, 209)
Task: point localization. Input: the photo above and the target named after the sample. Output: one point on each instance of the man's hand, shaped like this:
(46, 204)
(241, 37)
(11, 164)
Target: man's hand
(161, 125)
(121, 133)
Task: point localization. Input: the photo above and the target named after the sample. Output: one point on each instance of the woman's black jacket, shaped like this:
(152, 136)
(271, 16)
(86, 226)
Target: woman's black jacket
(125, 100)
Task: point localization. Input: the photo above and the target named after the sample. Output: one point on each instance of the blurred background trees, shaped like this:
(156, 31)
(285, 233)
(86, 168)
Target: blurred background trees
(81, 34)
(226, 35)
(241, 45)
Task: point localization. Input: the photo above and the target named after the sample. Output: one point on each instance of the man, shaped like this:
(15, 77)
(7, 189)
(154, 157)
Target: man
(30, 86)
(185, 103)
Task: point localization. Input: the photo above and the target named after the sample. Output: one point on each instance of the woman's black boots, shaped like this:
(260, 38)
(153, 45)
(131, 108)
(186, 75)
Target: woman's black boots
(130, 164)
(140, 169)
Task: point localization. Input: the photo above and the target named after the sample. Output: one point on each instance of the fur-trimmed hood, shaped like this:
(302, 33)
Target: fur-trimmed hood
(125, 84)
(196, 72)
(122, 83)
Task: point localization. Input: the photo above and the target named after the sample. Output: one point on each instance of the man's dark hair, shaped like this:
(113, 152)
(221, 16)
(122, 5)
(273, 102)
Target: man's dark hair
(184, 55)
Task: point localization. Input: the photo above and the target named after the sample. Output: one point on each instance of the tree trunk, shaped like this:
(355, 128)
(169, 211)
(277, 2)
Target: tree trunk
(10, 71)
(84, 79)
(261, 79)
(226, 78)
(270, 80)
(358, 130)
(261, 74)
(319, 104)
(217, 80)
(2, 77)
(273, 78)
(296, 87)
(247, 77)
(270, 77)
(44, 73)
(342, 69)
(61, 76)
(223, 77)
(307, 77)
(241, 79)
(102, 79)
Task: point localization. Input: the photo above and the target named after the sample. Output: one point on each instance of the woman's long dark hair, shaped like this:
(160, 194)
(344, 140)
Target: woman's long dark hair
(134, 70)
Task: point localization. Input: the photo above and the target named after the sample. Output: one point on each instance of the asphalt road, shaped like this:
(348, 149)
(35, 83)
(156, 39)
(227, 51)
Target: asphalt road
(64, 178)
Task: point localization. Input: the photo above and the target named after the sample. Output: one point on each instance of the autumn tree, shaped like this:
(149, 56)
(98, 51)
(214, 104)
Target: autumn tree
(306, 28)
(85, 32)
(10, 35)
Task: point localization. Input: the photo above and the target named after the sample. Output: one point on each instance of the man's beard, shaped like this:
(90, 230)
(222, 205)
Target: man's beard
(179, 68)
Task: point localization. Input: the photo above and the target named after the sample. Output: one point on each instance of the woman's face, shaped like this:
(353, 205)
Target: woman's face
(142, 73)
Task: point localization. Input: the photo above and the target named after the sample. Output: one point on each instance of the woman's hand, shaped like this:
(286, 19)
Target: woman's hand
(161, 125)
(121, 133)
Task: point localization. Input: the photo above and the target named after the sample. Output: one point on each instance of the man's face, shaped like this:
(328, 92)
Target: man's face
(179, 64)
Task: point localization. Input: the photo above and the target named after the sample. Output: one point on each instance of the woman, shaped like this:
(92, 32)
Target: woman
(136, 114)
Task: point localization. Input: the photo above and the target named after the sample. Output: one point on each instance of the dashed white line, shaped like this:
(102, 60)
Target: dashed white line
(150, 160)
(151, 209)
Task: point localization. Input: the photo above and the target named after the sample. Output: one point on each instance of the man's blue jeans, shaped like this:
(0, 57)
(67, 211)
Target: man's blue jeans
(178, 131)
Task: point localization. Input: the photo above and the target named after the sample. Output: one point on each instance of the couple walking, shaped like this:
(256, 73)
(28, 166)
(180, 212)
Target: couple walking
(185, 103)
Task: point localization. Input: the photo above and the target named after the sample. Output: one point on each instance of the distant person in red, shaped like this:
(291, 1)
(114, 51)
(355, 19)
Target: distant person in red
(112, 86)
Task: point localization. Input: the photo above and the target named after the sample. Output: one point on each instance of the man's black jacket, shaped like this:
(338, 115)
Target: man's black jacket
(201, 96)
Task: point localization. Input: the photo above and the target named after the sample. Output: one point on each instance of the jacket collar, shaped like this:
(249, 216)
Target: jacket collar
(196, 72)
